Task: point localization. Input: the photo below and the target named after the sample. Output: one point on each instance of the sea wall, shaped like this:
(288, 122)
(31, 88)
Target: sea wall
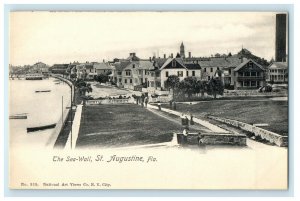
(270, 136)
(60, 124)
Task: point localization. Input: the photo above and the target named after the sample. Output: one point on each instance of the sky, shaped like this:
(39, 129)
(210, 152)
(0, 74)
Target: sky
(64, 37)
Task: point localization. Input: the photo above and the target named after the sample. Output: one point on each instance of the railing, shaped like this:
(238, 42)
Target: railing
(257, 78)
(109, 101)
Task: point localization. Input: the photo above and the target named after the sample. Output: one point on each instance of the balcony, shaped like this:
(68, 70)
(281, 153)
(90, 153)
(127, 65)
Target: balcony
(250, 78)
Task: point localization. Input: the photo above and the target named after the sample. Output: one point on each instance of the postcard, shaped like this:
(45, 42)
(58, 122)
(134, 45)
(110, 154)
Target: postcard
(148, 100)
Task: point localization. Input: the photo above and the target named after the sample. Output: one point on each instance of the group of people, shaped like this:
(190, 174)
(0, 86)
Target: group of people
(143, 100)
(186, 120)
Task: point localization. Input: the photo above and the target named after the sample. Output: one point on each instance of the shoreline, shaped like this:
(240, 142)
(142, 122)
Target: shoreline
(63, 120)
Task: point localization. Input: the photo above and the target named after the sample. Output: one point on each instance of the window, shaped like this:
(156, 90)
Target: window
(128, 73)
(246, 74)
(133, 65)
(119, 72)
(204, 69)
(187, 73)
(250, 64)
(180, 73)
(145, 72)
(246, 84)
(130, 81)
(208, 77)
(174, 63)
(125, 81)
(211, 70)
(120, 79)
(167, 74)
(193, 73)
(253, 74)
(229, 71)
(253, 83)
(140, 72)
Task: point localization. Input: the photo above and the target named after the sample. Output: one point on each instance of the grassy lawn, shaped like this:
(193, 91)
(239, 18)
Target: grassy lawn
(274, 113)
(122, 125)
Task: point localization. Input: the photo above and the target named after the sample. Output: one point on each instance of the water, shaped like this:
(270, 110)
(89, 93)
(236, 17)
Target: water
(41, 108)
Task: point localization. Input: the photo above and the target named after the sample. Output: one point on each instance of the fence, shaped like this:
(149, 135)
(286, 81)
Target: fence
(109, 101)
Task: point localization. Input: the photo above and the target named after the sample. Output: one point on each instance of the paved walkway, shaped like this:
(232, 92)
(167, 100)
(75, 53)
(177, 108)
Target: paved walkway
(75, 128)
(204, 123)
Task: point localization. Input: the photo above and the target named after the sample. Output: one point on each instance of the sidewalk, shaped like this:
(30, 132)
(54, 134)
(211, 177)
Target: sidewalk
(204, 123)
(75, 129)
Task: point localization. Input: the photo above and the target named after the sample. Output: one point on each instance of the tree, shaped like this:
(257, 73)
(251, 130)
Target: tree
(73, 76)
(215, 86)
(172, 82)
(101, 78)
(83, 87)
(188, 86)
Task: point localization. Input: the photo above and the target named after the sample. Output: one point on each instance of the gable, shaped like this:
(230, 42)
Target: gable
(174, 64)
(250, 66)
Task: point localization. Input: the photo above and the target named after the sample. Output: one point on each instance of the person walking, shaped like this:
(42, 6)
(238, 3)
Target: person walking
(142, 100)
(146, 101)
(191, 119)
(159, 106)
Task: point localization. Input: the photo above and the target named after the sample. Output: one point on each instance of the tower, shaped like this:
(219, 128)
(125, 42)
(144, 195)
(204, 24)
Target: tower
(280, 40)
(182, 50)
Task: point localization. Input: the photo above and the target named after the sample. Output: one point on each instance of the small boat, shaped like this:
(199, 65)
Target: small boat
(38, 128)
(18, 116)
(38, 91)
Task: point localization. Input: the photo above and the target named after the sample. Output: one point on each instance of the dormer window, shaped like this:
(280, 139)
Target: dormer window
(174, 63)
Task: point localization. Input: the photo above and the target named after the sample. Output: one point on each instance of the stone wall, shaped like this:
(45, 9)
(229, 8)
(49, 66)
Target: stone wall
(272, 137)
(214, 139)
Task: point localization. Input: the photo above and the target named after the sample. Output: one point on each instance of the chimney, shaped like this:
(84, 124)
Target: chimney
(132, 54)
(164, 56)
(280, 40)
(171, 55)
(190, 54)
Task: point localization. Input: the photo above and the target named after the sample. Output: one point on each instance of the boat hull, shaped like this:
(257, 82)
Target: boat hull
(38, 128)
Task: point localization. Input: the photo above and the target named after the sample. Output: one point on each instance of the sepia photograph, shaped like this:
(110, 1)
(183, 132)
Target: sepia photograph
(148, 100)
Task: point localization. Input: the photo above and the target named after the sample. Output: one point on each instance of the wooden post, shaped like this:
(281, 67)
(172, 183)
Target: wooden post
(62, 111)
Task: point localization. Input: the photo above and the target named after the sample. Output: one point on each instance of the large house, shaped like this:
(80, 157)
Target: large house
(177, 66)
(135, 72)
(277, 72)
(249, 75)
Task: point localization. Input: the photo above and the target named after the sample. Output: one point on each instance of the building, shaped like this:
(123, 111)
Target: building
(102, 68)
(226, 64)
(59, 68)
(117, 72)
(280, 41)
(86, 71)
(135, 73)
(177, 66)
(249, 75)
(277, 72)
(182, 53)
